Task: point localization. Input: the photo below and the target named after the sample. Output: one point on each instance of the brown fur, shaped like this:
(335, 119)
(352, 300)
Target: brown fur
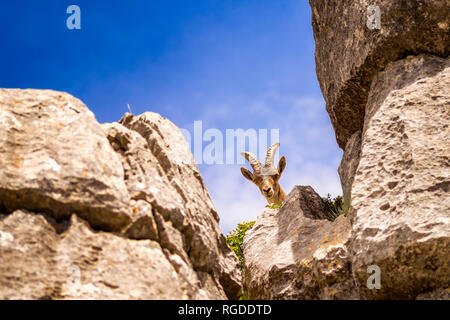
(266, 179)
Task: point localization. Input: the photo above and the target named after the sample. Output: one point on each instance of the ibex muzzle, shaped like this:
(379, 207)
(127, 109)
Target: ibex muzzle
(266, 178)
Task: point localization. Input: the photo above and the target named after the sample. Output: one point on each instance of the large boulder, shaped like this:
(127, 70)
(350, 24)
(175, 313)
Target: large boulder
(400, 202)
(387, 96)
(349, 53)
(55, 158)
(112, 211)
(388, 99)
(294, 252)
(160, 170)
(349, 164)
(39, 263)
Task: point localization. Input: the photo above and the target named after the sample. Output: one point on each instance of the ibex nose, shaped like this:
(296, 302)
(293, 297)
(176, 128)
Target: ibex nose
(266, 190)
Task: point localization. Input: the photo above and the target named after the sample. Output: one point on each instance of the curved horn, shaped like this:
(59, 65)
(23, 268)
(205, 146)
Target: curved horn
(254, 162)
(271, 154)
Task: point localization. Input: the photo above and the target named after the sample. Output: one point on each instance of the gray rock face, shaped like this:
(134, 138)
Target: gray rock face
(438, 294)
(81, 263)
(400, 193)
(187, 223)
(113, 211)
(292, 253)
(55, 158)
(349, 163)
(349, 53)
(389, 105)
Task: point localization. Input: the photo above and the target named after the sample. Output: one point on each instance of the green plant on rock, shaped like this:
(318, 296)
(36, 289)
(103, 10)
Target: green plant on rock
(235, 239)
(337, 206)
(244, 295)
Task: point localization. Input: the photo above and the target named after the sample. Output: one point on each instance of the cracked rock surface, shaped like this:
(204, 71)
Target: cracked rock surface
(388, 98)
(294, 252)
(112, 211)
(349, 53)
(400, 194)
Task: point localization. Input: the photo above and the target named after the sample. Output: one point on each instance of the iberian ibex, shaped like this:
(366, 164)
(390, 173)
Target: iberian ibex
(266, 178)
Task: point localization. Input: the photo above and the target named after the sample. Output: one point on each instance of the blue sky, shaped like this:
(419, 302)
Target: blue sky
(231, 64)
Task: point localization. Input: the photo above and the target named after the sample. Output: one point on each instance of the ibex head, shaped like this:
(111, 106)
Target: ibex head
(266, 178)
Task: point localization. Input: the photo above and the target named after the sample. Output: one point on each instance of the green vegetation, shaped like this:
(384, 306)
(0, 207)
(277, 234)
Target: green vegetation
(338, 205)
(236, 237)
(235, 240)
(244, 295)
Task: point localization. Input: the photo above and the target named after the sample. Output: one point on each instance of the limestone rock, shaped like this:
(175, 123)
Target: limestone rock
(350, 49)
(112, 211)
(387, 96)
(349, 164)
(38, 263)
(291, 253)
(55, 158)
(438, 294)
(400, 194)
(187, 222)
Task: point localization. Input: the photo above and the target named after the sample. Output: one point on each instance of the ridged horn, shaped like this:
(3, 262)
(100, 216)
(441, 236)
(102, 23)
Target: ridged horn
(270, 155)
(254, 162)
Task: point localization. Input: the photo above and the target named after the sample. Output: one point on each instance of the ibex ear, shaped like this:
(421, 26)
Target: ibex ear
(247, 174)
(281, 165)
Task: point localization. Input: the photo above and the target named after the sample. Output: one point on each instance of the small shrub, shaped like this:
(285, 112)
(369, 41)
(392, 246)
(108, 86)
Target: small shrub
(337, 206)
(236, 237)
(244, 295)
(273, 206)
